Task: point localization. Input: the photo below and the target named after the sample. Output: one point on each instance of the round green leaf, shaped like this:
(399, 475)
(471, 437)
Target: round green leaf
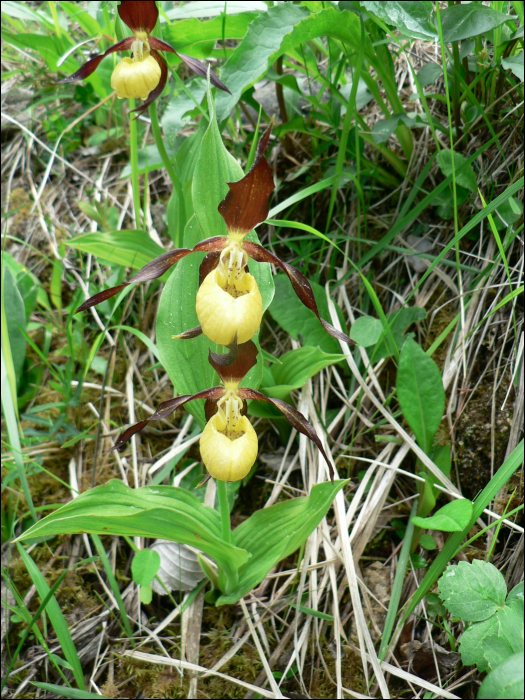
(366, 331)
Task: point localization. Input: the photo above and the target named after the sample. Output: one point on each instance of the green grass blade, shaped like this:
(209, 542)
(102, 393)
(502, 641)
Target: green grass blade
(8, 405)
(56, 617)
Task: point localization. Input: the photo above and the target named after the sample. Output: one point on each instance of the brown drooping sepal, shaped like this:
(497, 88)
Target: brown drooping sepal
(164, 410)
(294, 417)
(202, 69)
(209, 263)
(160, 87)
(152, 271)
(246, 204)
(156, 268)
(299, 282)
(88, 68)
(235, 365)
(139, 15)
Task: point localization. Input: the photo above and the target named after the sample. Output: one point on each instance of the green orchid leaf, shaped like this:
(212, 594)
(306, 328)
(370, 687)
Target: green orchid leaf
(274, 533)
(163, 512)
(296, 368)
(128, 248)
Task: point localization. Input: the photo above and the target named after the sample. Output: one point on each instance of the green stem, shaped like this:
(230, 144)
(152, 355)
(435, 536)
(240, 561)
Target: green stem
(398, 583)
(224, 508)
(157, 135)
(134, 158)
(173, 176)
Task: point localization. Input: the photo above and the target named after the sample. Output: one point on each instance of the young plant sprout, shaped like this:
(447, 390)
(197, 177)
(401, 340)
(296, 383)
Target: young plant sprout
(143, 75)
(229, 305)
(229, 443)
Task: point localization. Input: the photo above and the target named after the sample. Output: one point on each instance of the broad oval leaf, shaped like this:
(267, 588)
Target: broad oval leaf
(164, 512)
(366, 331)
(271, 534)
(420, 393)
(464, 21)
(454, 517)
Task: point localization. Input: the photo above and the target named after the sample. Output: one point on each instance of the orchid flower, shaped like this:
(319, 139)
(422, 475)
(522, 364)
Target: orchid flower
(143, 75)
(229, 443)
(228, 304)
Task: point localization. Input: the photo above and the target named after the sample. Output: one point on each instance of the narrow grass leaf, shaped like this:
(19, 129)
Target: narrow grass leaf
(55, 615)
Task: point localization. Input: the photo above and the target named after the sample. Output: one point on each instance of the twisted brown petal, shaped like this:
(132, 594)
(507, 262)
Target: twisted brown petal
(202, 69)
(160, 87)
(234, 365)
(294, 417)
(89, 67)
(299, 282)
(156, 268)
(139, 15)
(164, 410)
(246, 204)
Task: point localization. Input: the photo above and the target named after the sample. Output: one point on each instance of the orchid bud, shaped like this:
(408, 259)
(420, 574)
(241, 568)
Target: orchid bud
(133, 79)
(228, 445)
(229, 303)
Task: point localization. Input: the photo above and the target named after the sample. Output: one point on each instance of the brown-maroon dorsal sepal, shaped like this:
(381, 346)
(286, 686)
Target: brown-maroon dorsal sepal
(294, 417)
(164, 410)
(139, 15)
(246, 204)
(235, 365)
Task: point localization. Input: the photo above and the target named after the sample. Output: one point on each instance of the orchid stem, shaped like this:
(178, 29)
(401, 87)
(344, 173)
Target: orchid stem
(155, 127)
(172, 173)
(134, 158)
(224, 508)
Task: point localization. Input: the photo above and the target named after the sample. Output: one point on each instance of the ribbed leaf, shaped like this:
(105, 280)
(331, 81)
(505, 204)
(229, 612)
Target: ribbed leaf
(163, 512)
(274, 533)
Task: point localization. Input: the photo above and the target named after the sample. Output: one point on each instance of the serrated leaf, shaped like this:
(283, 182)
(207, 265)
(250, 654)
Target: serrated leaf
(466, 178)
(128, 248)
(496, 650)
(268, 543)
(473, 592)
(505, 681)
(410, 18)
(420, 393)
(454, 517)
(471, 642)
(464, 21)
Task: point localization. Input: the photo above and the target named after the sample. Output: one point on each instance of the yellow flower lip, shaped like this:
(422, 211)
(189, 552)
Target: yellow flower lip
(134, 77)
(225, 311)
(228, 448)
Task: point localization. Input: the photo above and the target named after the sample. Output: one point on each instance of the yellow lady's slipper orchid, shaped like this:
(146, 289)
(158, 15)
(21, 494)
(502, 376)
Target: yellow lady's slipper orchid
(145, 74)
